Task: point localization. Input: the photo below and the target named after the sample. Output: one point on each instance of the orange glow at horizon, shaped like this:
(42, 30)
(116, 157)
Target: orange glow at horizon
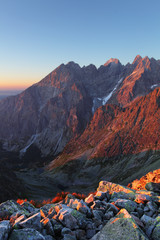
(16, 84)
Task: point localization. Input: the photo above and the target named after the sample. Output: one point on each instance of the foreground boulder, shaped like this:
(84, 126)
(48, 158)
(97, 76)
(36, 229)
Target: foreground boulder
(121, 227)
(105, 186)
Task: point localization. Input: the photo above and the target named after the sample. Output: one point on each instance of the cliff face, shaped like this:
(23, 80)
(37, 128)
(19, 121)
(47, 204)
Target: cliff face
(115, 131)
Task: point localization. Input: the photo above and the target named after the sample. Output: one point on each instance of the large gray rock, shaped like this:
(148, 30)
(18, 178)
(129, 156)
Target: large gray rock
(46, 223)
(5, 228)
(32, 222)
(121, 227)
(65, 217)
(26, 234)
(80, 217)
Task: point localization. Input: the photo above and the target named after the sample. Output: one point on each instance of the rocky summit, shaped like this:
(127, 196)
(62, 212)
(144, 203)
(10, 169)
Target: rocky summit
(113, 212)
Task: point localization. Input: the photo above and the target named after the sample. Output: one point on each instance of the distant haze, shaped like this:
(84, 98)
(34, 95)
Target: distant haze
(7, 93)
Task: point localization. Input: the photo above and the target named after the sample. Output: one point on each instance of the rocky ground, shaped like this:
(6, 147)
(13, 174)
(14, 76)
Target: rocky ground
(114, 212)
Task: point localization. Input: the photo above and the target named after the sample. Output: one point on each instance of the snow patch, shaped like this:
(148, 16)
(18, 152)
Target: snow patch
(32, 140)
(93, 107)
(154, 85)
(105, 99)
(97, 102)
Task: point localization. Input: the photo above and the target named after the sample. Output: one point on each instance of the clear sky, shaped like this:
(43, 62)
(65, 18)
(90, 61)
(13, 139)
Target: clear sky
(38, 35)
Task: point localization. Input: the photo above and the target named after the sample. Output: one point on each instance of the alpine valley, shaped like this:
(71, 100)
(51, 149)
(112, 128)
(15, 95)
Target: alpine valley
(80, 125)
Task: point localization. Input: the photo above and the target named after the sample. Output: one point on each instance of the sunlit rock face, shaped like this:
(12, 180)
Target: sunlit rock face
(115, 131)
(60, 106)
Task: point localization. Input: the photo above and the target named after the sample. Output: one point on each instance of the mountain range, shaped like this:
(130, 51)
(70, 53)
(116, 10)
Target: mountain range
(87, 120)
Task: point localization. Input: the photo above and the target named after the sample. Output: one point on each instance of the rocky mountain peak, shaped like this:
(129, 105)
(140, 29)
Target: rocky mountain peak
(137, 59)
(146, 63)
(73, 65)
(112, 61)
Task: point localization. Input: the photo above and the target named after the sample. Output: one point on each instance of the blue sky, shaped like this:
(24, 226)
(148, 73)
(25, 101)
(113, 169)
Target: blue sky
(38, 35)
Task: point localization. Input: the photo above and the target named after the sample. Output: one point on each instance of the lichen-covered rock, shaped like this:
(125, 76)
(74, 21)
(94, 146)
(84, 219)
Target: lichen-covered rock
(123, 195)
(29, 207)
(121, 227)
(80, 217)
(5, 228)
(26, 234)
(129, 205)
(9, 207)
(67, 219)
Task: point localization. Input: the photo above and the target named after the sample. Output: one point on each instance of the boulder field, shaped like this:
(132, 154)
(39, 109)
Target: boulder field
(114, 212)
